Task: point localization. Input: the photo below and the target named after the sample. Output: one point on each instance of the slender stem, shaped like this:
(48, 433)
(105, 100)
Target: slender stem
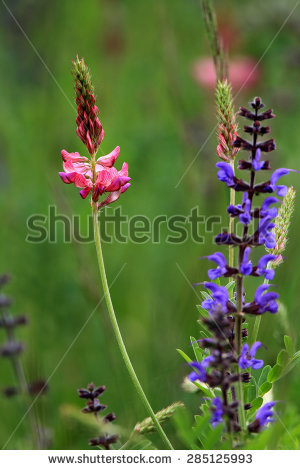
(238, 339)
(231, 223)
(258, 318)
(117, 331)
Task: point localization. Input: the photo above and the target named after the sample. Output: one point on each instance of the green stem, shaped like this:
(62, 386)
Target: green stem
(117, 331)
(238, 339)
(231, 222)
(258, 318)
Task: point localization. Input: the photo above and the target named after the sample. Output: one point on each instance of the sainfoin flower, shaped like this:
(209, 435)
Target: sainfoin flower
(104, 178)
(90, 175)
(247, 358)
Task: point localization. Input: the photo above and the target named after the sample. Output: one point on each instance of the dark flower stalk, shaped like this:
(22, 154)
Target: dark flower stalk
(225, 320)
(12, 350)
(93, 405)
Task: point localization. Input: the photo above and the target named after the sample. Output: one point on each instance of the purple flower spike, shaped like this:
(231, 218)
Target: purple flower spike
(261, 267)
(247, 359)
(265, 414)
(246, 266)
(217, 414)
(226, 173)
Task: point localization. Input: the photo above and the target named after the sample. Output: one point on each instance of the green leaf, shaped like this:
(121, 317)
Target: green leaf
(292, 363)
(255, 404)
(274, 373)
(230, 284)
(205, 389)
(205, 295)
(197, 350)
(282, 358)
(288, 344)
(264, 388)
(263, 376)
(185, 356)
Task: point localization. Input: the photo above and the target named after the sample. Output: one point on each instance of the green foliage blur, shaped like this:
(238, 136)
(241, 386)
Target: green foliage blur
(141, 55)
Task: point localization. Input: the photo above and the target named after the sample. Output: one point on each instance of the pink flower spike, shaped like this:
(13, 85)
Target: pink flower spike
(108, 160)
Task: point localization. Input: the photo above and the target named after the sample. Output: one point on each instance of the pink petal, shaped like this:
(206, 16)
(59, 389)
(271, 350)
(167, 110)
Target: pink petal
(125, 187)
(84, 192)
(109, 159)
(106, 176)
(79, 180)
(72, 157)
(112, 197)
(124, 170)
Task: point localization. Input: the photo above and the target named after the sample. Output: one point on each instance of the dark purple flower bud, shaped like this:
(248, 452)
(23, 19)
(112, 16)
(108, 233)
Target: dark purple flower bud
(4, 279)
(104, 441)
(244, 112)
(242, 143)
(257, 103)
(38, 387)
(10, 391)
(109, 418)
(4, 301)
(267, 146)
(247, 358)
(10, 322)
(93, 406)
(11, 348)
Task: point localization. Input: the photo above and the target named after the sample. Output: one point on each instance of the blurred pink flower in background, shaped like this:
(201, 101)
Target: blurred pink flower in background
(242, 72)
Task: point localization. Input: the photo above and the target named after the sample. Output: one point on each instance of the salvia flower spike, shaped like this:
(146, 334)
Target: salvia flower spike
(229, 361)
(93, 405)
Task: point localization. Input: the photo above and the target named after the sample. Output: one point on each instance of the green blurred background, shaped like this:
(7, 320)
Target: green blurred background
(141, 54)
